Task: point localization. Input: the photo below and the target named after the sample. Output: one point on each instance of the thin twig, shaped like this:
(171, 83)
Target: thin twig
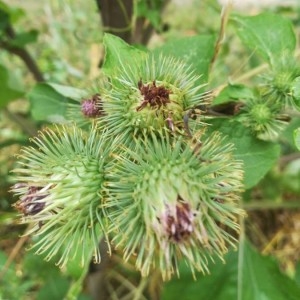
(224, 19)
(29, 128)
(14, 252)
(22, 53)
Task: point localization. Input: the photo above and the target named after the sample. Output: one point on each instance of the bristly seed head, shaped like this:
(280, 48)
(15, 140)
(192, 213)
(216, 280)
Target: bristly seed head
(155, 96)
(178, 221)
(92, 107)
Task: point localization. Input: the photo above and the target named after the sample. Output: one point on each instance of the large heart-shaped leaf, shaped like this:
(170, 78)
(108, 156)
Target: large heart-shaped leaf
(270, 35)
(118, 52)
(196, 51)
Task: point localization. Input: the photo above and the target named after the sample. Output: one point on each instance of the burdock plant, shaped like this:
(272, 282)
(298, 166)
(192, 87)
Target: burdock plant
(154, 162)
(154, 187)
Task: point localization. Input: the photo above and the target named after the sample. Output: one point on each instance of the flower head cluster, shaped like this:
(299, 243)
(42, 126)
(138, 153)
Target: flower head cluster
(85, 107)
(282, 83)
(141, 177)
(266, 113)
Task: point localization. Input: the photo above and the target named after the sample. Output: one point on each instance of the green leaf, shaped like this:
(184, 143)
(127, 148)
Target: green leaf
(54, 288)
(9, 87)
(151, 11)
(12, 286)
(258, 156)
(246, 276)
(297, 138)
(49, 101)
(118, 52)
(297, 275)
(24, 38)
(197, 51)
(261, 278)
(233, 92)
(69, 91)
(47, 269)
(270, 35)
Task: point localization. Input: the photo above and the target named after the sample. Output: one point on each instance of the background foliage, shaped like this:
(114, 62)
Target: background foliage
(52, 57)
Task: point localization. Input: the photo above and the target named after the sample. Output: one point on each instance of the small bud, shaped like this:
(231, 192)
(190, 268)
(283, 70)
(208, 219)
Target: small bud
(263, 116)
(279, 84)
(92, 107)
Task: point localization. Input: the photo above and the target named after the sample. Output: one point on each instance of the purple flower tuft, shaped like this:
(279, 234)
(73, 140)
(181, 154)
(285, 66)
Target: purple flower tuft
(30, 203)
(92, 107)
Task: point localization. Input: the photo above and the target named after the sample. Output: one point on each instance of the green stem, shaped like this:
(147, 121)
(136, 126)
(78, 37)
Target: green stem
(262, 205)
(138, 293)
(251, 73)
(23, 54)
(77, 285)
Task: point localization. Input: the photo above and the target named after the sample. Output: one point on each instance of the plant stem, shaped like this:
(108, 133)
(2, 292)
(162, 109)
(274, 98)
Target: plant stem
(15, 251)
(262, 205)
(251, 73)
(224, 19)
(26, 125)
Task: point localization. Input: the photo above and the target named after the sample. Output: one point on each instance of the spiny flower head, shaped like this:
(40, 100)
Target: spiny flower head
(169, 199)
(152, 95)
(280, 84)
(263, 116)
(60, 191)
